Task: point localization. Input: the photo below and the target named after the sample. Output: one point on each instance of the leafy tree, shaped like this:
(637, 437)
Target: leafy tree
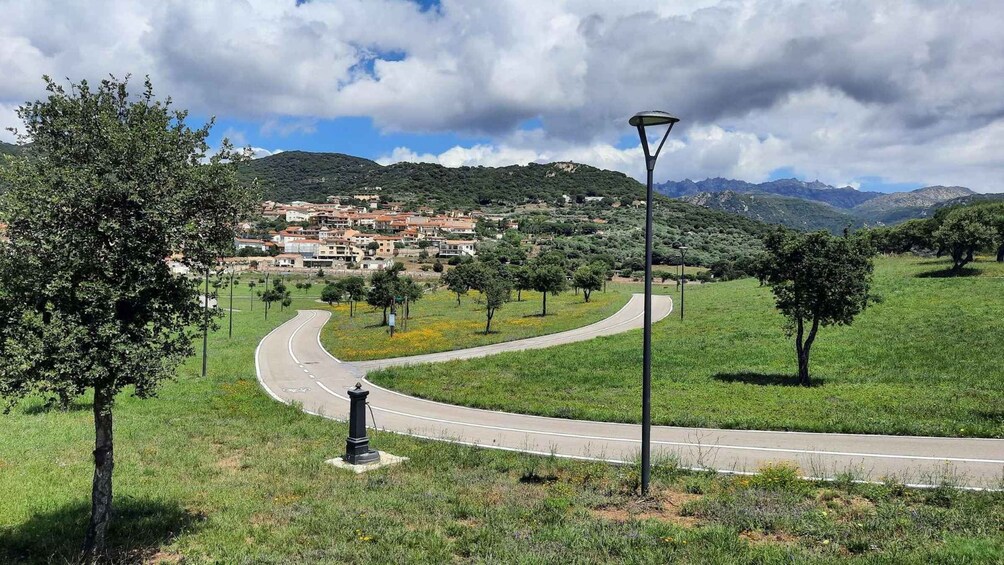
(521, 280)
(306, 286)
(497, 290)
(355, 290)
(332, 293)
(963, 232)
(410, 290)
(278, 293)
(115, 184)
(548, 278)
(437, 266)
(817, 280)
(456, 281)
(383, 289)
(588, 279)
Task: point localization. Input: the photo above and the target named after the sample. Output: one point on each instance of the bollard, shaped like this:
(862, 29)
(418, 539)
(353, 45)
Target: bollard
(357, 446)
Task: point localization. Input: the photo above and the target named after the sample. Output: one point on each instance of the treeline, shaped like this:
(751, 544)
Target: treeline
(959, 232)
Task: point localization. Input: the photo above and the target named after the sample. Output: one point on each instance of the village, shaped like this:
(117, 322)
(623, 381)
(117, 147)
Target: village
(356, 233)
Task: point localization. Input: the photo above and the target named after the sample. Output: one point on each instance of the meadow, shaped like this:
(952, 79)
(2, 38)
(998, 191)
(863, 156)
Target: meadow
(923, 359)
(438, 323)
(213, 470)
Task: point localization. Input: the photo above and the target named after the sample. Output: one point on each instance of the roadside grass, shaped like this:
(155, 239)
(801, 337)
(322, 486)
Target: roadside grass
(925, 359)
(215, 471)
(438, 323)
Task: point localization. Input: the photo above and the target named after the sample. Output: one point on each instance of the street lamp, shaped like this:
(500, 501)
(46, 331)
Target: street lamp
(683, 272)
(641, 120)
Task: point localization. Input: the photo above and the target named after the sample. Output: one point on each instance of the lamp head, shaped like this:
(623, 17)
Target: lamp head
(652, 118)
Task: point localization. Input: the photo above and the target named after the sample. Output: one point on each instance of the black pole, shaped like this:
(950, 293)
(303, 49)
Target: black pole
(231, 303)
(205, 324)
(357, 445)
(683, 278)
(646, 379)
(646, 376)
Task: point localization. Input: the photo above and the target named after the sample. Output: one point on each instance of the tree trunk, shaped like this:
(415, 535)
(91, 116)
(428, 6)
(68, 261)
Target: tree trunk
(458, 299)
(519, 295)
(104, 461)
(544, 313)
(586, 293)
(488, 326)
(1000, 254)
(802, 348)
(352, 308)
(384, 316)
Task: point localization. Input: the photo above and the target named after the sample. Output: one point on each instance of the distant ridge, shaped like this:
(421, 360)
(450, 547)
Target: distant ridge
(843, 197)
(781, 210)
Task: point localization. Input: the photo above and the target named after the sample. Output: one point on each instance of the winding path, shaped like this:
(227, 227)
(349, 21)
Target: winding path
(292, 366)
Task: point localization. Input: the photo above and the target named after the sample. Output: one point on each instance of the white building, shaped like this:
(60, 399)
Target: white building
(457, 248)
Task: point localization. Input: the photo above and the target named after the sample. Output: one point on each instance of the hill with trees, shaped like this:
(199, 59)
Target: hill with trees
(794, 213)
(901, 206)
(300, 175)
(9, 149)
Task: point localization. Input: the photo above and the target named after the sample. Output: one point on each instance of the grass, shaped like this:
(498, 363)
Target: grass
(924, 360)
(438, 324)
(213, 470)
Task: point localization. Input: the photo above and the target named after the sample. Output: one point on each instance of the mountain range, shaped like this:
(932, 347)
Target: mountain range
(813, 205)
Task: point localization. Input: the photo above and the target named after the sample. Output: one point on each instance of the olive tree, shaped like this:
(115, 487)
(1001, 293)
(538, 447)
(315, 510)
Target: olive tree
(963, 232)
(588, 278)
(817, 280)
(548, 278)
(355, 290)
(113, 184)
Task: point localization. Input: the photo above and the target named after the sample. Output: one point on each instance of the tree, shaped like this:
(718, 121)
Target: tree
(817, 280)
(963, 231)
(548, 278)
(332, 293)
(278, 293)
(438, 266)
(411, 291)
(588, 278)
(497, 290)
(355, 290)
(455, 280)
(521, 280)
(251, 285)
(306, 286)
(383, 289)
(114, 184)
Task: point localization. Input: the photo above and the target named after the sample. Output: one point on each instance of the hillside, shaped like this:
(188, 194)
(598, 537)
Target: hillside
(299, 175)
(844, 197)
(9, 149)
(901, 206)
(772, 209)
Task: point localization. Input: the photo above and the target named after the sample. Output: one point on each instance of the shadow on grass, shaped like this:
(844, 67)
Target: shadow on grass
(47, 407)
(138, 529)
(949, 273)
(539, 315)
(762, 379)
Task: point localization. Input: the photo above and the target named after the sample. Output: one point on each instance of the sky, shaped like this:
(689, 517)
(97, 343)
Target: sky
(878, 95)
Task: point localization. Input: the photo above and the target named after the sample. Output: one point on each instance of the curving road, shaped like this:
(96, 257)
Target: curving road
(292, 366)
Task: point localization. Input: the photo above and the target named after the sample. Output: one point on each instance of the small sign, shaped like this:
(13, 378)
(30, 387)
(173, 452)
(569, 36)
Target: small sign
(391, 320)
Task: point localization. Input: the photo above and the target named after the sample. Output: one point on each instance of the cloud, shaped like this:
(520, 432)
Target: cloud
(907, 91)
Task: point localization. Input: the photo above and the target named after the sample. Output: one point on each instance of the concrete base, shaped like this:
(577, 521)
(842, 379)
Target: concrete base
(386, 460)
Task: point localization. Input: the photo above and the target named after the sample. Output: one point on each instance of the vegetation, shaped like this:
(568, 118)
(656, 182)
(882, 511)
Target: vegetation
(817, 280)
(923, 359)
(793, 213)
(206, 491)
(115, 186)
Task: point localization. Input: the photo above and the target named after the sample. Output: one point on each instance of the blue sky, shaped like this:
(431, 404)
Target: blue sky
(879, 96)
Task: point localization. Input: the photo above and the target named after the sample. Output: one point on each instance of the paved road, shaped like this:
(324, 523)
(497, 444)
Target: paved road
(292, 366)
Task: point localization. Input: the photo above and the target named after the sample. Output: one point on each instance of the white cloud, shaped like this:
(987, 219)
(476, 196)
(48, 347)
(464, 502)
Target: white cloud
(907, 91)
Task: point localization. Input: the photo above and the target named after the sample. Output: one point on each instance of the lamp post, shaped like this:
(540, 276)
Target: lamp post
(683, 272)
(641, 120)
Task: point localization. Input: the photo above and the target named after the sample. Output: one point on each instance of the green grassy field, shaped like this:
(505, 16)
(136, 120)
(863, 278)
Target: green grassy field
(438, 324)
(925, 360)
(215, 471)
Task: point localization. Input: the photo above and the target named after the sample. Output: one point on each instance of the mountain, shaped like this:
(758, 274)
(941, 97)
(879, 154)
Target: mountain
(772, 209)
(901, 206)
(9, 149)
(843, 197)
(300, 175)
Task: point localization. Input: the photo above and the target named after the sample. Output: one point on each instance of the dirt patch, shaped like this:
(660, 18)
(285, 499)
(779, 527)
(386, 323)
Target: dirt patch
(664, 505)
(783, 538)
(165, 557)
(232, 463)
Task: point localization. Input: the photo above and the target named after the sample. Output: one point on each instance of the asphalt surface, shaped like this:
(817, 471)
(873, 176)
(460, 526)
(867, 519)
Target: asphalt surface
(292, 366)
